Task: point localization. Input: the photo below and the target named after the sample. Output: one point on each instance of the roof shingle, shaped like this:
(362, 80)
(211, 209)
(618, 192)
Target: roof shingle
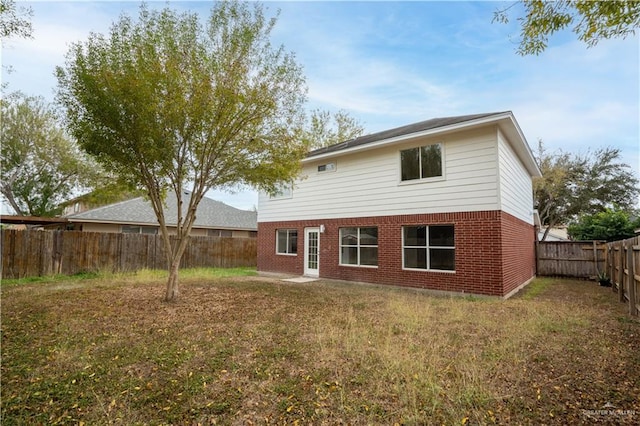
(433, 123)
(210, 213)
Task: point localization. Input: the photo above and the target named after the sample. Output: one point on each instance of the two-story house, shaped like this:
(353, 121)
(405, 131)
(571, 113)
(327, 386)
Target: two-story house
(445, 204)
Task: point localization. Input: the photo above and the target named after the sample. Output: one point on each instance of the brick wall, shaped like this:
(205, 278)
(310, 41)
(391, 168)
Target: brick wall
(518, 252)
(482, 239)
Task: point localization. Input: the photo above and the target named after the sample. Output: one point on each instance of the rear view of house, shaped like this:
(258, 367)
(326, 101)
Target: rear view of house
(445, 204)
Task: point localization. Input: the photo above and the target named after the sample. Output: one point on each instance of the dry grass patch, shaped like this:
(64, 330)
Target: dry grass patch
(247, 349)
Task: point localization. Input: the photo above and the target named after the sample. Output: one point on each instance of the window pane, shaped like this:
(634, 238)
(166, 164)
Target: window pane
(442, 259)
(441, 235)
(415, 258)
(349, 255)
(415, 236)
(348, 236)
(369, 236)
(282, 241)
(148, 230)
(293, 241)
(369, 255)
(431, 161)
(410, 163)
(283, 190)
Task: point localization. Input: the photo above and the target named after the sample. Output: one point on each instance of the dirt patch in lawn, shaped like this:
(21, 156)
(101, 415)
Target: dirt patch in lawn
(256, 350)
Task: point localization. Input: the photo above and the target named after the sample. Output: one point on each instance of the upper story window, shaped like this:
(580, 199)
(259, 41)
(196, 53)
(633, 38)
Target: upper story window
(329, 167)
(287, 241)
(428, 247)
(359, 246)
(421, 162)
(284, 190)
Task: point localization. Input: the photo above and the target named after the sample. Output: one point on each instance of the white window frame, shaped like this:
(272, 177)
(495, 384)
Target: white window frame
(219, 233)
(141, 229)
(284, 191)
(288, 231)
(329, 167)
(427, 247)
(358, 246)
(423, 179)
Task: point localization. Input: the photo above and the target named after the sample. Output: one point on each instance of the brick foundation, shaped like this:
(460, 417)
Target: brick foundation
(494, 252)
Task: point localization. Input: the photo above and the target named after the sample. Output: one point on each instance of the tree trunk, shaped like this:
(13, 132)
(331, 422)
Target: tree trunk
(550, 225)
(546, 232)
(172, 282)
(8, 195)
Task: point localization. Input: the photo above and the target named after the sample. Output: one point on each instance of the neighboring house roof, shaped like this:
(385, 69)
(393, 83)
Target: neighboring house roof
(31, 220)
(505, 120)
(558, 233)
(138, 211)
(551, 236)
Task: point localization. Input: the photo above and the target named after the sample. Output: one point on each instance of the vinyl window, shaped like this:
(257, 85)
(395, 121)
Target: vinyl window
(283, 191)
(135, 229)
(287, 241)
(359, 246)
(428, 247)
(421, 162)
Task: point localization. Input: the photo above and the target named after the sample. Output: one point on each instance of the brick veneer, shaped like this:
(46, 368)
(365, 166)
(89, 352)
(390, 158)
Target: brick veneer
(494, 252)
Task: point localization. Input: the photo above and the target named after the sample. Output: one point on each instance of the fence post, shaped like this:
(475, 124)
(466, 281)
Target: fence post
(621, 273)
(612, 260)
(57, 252)
(631, 278)
(609, 263)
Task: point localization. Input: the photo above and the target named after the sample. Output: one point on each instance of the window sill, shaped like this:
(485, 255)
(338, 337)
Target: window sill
(419, 181)
(358, 266)
(444, 271)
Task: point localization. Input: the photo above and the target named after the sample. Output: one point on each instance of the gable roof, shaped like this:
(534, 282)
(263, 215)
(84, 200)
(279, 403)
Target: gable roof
(505, 120)
(138, 211)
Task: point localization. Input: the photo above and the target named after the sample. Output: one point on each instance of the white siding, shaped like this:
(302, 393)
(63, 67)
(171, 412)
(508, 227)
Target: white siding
(368, 183)
(516, 190)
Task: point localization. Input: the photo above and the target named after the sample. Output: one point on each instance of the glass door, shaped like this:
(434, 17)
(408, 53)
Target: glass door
(312, 252)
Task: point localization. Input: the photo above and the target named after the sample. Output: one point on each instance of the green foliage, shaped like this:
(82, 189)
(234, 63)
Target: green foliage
(164, 101)
(573, 185)
(169, 103)
(15, 21)
(40, 165)
(536, 288)
(590, 20)
(324, 129)
(610, 225)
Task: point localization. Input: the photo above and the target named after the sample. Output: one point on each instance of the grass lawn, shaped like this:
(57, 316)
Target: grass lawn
(243, 349)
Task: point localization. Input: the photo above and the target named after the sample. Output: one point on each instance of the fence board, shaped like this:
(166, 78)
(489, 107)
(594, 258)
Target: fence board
(578, 259)
(27, 253)
(625, 264)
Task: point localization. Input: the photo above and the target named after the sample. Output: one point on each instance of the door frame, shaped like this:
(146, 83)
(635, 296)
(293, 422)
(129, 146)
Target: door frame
(311, 272)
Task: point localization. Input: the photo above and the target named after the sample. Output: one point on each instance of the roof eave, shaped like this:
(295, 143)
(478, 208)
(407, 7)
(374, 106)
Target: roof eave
(510, 126)
(397, 139)
(520, 145)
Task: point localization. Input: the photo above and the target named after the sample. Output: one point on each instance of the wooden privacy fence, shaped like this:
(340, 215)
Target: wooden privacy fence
(27, 253)
(579, 259)
(585, 259)
(623, 266)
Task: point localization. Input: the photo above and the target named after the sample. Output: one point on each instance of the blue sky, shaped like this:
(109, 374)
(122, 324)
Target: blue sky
(395, 63)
